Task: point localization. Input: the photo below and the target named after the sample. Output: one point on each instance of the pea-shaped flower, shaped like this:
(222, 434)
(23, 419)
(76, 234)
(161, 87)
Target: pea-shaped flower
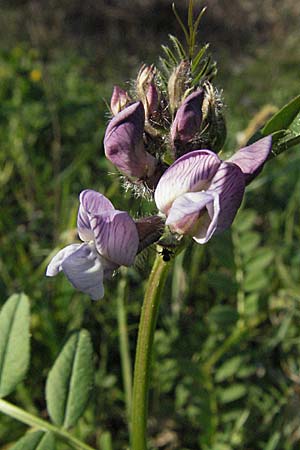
(110, 239)
(124, 146)
(199, 194)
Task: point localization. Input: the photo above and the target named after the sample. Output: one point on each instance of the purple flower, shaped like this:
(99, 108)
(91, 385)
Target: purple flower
(200, 194)
(188, 118)
(110, 239)
(124, 146)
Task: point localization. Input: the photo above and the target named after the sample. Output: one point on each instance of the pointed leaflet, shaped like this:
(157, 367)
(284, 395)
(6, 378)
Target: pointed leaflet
(14, 342)
(37, 440)
(70, 380)
(283, 118)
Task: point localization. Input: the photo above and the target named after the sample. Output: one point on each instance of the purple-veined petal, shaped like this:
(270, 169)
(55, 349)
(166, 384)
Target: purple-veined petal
(116, 236)
(251, 159)
(123, 143)
(190, 173)
(188, 118)
(195, 213)
(91, 202)
(84, 270)
(229, 183)
(55, 265)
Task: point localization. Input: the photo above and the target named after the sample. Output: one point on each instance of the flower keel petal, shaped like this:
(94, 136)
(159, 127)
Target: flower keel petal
(55, 265)
(84, 270)
(190, 173)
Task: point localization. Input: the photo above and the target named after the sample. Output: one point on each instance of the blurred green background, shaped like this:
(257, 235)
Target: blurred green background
(226, 369)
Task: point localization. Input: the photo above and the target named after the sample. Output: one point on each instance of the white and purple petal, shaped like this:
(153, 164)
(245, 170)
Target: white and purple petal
(251, 159)
(191, 173)
(84, 270)
(55, 265)
(229, 183)
(82, 266)
(91, 203)
(116, 236)
(195, 213)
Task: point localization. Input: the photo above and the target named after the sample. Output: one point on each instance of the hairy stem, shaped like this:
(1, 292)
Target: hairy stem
(35, 422)
(144, 352)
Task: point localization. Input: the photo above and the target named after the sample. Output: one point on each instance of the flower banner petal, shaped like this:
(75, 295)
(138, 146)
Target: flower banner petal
(195, 213)
(91, 202)
(229, 183)
(251, 159)
(84, 270)
(190, 173)
(116, 236)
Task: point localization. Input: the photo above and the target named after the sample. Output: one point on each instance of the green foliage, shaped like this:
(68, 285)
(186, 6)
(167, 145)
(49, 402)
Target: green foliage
(37, 440)
(70, 380)
(14, 342)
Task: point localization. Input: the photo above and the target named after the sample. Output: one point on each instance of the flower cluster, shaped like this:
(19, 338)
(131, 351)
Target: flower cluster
(163, 138)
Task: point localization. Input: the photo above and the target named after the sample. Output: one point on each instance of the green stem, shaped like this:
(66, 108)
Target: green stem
(19, 414)
(144, 352)
(124, 347)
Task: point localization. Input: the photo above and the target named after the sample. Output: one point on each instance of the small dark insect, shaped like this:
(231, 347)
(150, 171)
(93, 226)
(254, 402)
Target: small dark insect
(166, 254)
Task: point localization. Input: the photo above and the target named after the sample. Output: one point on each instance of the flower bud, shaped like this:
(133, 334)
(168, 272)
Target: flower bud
(188, 118)
(152, 100)
(177, 84)
(124, 146)
(147, 90)
(119, 100)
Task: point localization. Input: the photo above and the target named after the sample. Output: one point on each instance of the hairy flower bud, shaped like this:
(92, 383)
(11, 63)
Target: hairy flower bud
(124, 146)
(177, 84)
(146, 89)
(119, 100)
(213, 119)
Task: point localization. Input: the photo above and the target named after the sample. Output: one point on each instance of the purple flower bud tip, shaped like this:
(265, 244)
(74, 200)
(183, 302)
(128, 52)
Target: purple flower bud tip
(119, 100)
(123, 143)
(152, 99)
(110, 239)
(200, 194)
(188, 118)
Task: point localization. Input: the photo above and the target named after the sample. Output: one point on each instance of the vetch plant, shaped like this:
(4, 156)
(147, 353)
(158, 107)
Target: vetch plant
(165, 137)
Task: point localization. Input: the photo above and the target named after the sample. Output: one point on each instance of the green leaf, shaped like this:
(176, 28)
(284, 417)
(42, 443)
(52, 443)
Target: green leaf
(222, 315)
(14, 342)
(273, 441)
(263, 257)
(283, 118)
(255, 281)
(228, 368)
(37, 440)
(232, 393)
(70, 380)
(105, 441)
